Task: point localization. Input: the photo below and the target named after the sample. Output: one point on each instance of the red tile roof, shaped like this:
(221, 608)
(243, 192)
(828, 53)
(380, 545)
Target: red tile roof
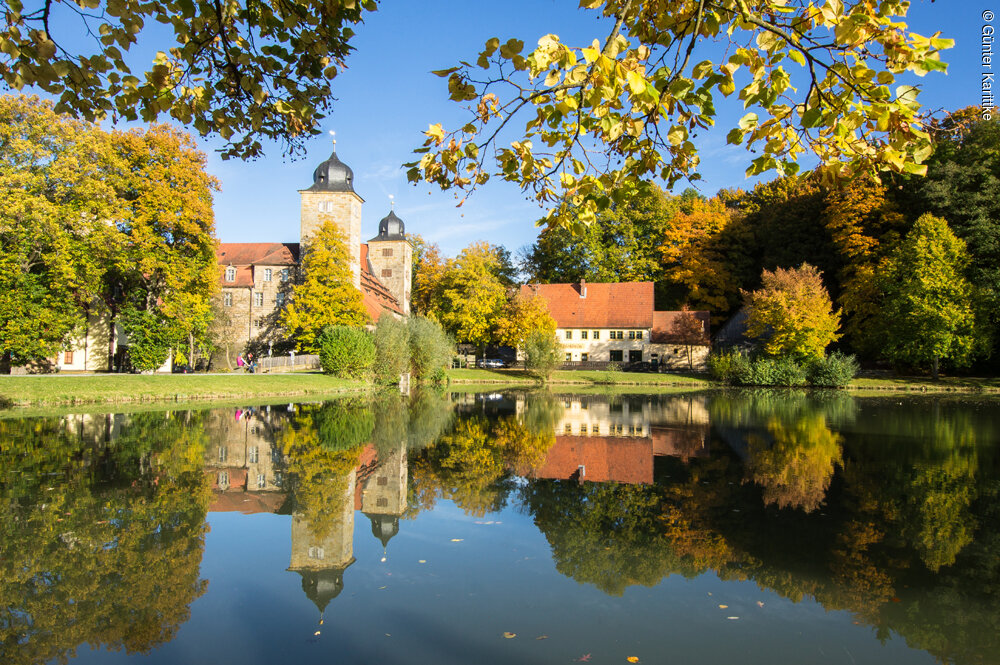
(616, 459)
(246, 502)
(616, 305)
(663, 323)
(260, 253)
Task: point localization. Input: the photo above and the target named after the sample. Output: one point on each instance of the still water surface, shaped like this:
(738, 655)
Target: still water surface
(747, 527)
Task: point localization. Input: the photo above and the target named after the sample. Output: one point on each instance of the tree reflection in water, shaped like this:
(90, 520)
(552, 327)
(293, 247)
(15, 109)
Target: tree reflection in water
(100, 542)
(890, 513)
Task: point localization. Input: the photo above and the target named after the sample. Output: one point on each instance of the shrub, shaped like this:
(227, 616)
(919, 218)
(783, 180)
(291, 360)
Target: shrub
(834, 371)
(346, 352)
(430, 347)
(392, 348)
(542, 353)
(727, 366)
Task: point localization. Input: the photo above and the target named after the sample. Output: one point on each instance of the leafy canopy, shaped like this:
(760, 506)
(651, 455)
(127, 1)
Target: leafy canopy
(241, 71)
(928, 309)
(326, 295)
(792, 313)
(813, 78)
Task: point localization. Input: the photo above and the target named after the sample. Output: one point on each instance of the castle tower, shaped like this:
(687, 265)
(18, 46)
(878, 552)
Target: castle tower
(383, 494)
(391, 256)
(321, 556)
(332, 197)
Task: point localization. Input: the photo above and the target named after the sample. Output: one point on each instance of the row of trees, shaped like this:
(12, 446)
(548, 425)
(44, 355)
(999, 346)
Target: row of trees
(118, 222)
(912, 263)
(475, 296)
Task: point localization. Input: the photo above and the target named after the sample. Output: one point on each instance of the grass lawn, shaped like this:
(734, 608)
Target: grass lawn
(575, 377)
(924, 384)
(124, 388)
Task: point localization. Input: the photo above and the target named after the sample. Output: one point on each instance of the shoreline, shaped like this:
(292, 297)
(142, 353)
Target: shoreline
(19, 393)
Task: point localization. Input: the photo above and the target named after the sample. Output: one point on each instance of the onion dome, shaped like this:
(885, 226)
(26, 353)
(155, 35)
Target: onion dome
(390, 228)
(333, 176)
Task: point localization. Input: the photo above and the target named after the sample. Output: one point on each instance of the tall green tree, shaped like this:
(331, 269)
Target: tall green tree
(963, 186)
(928, 313)
(618, 248)
(325, 296)
(472, 295)
(54, 242)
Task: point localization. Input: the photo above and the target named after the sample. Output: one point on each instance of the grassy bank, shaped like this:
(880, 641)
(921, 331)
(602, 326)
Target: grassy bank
(132, 388)
(574, 377)
(922, 384)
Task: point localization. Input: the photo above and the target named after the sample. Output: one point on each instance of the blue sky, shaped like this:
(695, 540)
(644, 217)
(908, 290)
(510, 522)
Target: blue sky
(387, 97)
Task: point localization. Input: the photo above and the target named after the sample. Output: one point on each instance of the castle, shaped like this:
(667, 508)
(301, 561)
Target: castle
(256, 278)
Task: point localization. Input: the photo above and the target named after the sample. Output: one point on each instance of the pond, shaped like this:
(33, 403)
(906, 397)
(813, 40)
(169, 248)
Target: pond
(765, 527)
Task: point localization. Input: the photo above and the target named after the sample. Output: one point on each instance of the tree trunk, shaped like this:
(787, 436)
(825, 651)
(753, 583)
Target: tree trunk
(934, 368)
(6, 361)
(191, 350)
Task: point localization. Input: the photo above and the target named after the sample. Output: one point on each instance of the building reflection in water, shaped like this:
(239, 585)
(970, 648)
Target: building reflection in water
(617, 439)
(245, 469)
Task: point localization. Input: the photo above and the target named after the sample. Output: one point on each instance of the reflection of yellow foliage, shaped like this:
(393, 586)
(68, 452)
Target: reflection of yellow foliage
(471, 464)
(320, 475)
(85, 562)
(796, 470)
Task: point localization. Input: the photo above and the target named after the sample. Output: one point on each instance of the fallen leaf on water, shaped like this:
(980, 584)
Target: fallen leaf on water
(896, 600)
(316, 633)
(457, 540)
(732, 618)
(381, 587)
(723, 607)
(584, 658)
(422, 561)
(760, 603)
(633, 659)
(542, 637)
(388, 635)
(510, 635)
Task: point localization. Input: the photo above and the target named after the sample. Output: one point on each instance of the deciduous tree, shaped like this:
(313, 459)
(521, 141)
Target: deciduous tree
(818, 79)
(792, 313)
(53, 241)
(928, 315)
(326, 295)
(523, 315)
(239, 71)
(472, 295)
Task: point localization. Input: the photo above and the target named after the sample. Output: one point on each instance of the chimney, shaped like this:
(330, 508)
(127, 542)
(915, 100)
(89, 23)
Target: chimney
(583, 288)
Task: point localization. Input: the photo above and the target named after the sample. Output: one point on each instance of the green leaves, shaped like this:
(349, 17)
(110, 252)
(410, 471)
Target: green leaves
(263, 70)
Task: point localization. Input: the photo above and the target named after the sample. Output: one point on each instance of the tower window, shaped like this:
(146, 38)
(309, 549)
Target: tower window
(325, 206)
(381, 502)
(387, 251)
(230, 274)
(386, 272)
(267, 274)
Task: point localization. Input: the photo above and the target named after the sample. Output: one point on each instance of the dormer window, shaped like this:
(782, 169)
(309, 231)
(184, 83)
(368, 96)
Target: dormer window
(230, 274)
